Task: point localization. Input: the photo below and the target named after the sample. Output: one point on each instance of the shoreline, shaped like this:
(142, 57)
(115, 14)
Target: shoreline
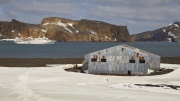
(40, 62)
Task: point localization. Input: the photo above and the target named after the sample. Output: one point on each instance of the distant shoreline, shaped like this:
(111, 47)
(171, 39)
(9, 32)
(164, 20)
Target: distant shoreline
(40, 62)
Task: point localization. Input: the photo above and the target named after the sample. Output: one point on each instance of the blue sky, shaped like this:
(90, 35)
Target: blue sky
(137, 15)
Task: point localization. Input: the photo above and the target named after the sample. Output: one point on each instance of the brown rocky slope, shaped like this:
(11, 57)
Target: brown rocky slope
(62, 29)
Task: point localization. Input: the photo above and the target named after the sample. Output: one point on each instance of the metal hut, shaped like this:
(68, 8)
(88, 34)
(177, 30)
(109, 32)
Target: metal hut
(122, 59)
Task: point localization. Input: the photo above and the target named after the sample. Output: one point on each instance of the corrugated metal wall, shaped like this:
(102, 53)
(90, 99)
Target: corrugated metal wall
(117, 61)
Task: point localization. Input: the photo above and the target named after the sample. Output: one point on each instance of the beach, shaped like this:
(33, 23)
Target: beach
(40, 62)
(37, 62)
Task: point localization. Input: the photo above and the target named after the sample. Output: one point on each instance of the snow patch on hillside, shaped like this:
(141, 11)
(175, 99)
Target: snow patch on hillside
(19, 34)
(176, 25)
(59, 23)
(68, 29)
(77, 31)
(169, 25)
(71, 24)
(13, 31)
(62, 24)
(46, 23)
(171, 34)
(169, 39)
(172, 24)
(92, 32)
(164, 30)
(43, 30)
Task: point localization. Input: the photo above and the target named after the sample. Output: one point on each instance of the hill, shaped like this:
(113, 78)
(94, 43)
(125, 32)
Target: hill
(169, 33)
(62, 29)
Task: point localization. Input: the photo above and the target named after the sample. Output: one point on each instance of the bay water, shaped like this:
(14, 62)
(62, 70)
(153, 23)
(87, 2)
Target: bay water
(8, 49)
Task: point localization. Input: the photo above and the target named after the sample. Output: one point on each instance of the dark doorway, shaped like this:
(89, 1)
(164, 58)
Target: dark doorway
(129, 72)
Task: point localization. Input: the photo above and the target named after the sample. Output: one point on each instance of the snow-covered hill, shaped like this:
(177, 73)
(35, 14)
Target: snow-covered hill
(169, 33)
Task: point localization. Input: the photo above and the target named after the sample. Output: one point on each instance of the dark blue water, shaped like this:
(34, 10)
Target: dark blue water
(79, 49)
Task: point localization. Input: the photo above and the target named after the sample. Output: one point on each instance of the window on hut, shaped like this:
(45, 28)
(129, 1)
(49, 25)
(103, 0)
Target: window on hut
(141, 61)
(93, 59)
(103, 60)
(131, 61)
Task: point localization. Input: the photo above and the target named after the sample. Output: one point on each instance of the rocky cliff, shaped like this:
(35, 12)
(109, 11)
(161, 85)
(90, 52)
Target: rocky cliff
(62, 29)
(169, 33)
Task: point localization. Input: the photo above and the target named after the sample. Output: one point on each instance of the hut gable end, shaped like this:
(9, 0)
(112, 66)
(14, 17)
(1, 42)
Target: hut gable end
(122, 59)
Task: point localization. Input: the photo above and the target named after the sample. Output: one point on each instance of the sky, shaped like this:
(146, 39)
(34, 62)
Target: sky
(138, 15)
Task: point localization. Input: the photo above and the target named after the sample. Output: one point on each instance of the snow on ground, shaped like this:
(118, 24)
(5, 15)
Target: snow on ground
(52, 83)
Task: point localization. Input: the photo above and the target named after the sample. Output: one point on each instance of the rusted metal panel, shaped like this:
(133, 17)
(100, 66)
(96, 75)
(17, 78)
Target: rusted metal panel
(140, 68)
(111, 64)
(104, 67)
(119, 58)
(131, 68)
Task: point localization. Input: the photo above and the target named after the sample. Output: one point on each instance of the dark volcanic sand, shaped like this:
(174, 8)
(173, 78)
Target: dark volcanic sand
(39, 62)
